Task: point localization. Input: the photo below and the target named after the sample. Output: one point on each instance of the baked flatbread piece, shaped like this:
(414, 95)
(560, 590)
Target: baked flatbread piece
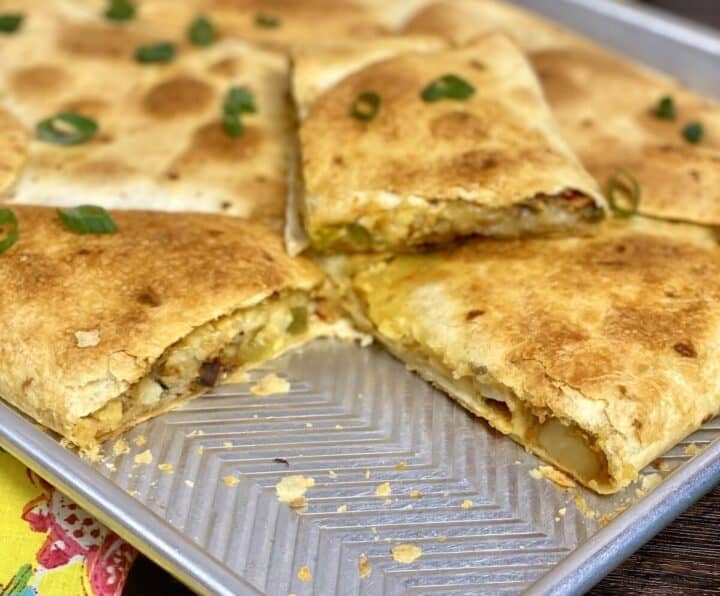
(160, 142)
(598, 354)
(102, 331)
(424, 170)
(606, 106)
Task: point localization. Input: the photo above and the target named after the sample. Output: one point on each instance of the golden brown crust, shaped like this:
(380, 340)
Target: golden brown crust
(160, 144)
(604, 106)
(618, 334)
(126, 297)
(496, 149)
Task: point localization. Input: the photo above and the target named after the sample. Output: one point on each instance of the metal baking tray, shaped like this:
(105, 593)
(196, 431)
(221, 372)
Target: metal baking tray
(355, 418)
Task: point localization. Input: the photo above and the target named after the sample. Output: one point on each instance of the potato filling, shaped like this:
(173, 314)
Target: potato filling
(435, 222)
(205, 356)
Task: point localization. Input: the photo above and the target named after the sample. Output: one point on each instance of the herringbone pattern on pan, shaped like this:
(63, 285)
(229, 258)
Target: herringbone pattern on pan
(350, 418)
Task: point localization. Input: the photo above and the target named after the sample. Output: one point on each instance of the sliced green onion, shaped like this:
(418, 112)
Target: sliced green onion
(623, 192)
(239, 100)
(448, 86)
(201, 32)
(267, 21)
(87, 219)
(159, 52)
(10, 22)
(66, 128)
(665, 109)
(233, 125)
(693, 132)
(366, 105)
(120, 10)
(8, 220)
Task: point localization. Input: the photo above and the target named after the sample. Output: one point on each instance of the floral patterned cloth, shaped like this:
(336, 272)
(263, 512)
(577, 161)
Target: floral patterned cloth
(51, 547)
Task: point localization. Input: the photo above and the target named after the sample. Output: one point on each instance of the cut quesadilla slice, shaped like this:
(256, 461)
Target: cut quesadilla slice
(598, 354)
(422, 148)
(160, 139)
(102, 331)
(616, 114)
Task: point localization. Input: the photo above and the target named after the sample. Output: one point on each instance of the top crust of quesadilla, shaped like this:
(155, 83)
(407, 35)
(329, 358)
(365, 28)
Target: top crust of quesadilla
(604, 104)
(599, 354)
(161, 143)
(425, 173)
(100, 331)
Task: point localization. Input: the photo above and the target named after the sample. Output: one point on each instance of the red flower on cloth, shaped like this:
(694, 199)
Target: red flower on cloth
(72, 534)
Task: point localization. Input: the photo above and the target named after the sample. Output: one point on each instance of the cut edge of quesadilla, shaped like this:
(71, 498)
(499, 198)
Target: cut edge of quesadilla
(350, 201)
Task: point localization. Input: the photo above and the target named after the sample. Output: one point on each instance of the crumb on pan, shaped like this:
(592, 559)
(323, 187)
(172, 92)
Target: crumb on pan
(406, 553)
(383, 490)
(270, 385)
(554, 475)
(304, 574)
(120, 447)
(692, 449)
(466, 504)
(364, 566)
(140, 440)
(291, 490)
(189, 483)
(400, 466)
(145, 457)
(367, 474)
(93, 454)
(166, 468)
(416, 494)
(231, 480)
(342, 509)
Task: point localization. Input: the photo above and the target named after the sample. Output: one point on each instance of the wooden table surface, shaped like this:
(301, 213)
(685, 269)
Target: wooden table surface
(684, 559)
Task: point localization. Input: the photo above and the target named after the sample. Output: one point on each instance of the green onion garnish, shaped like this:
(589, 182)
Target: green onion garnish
(201, 32)
(120, 10)
(66, 128)
(449, 86)
(366, 105)
(8, 221)
(623, 192)
(267, 21)
(159, 52)
(87, 219)
(10, 22)
(693, 132)
(665, 108)
(238, 101)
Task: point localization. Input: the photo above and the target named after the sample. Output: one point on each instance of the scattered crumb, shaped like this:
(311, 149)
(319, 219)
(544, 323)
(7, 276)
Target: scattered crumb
(400, 466)
(195, 433)
(376, 539)
(200, 449)
(189, 483)
(342, 509)
(692, 449)
(140, 440)
(554, 475)
(364, 566)
(517, 462)
(466, 504)
(387, 501)
(562, 511)
(144, 458)
(87, 339)
(270, 385)
(93, 454)
(406, 553)
(441, 539)
(367, 474)
(647, 483)
(584, 508)
(557, 518)
(383, 490)
(373, 529)
(291, 490)
(120, 447)
(332, 474)
(231, 480)
(132, 493)
(415, 494)
(339, 427)
(110, 466)
(308, 424)
(167, 468)
(304, 574)
(227, 444)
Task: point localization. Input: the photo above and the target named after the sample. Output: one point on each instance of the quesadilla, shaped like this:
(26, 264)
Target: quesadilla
(598, 354)
(102, 331)
(160, 141)
(421, 148)
(616, 114)
(13, 149)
